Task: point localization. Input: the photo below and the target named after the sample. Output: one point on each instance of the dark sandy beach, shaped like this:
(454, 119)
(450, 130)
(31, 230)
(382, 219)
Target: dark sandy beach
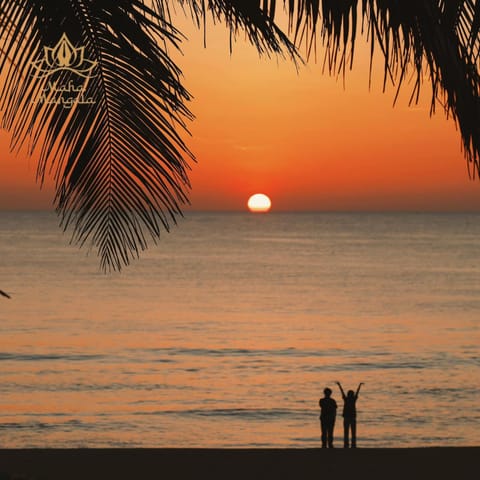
(92, 464)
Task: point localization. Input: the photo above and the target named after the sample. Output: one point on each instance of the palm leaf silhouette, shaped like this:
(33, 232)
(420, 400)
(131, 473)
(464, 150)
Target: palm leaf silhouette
(438, 39)
(120, 163)
(252, 17)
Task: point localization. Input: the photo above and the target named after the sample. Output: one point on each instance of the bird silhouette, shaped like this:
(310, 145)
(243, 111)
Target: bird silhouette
(5, 294)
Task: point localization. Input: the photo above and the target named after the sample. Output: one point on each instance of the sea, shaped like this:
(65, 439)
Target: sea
(226, 332)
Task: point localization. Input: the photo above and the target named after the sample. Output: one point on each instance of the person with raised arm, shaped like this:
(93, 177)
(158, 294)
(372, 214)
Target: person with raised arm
(350, 415)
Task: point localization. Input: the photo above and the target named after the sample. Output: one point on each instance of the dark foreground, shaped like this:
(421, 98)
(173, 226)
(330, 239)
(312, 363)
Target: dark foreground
(337, 464)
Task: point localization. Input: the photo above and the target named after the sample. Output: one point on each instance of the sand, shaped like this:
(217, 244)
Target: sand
(386, 464)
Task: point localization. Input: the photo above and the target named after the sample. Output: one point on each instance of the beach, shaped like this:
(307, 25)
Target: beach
(75, 464)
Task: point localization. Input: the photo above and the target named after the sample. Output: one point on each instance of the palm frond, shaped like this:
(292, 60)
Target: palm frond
(439, 39)
(119, 161)
(249, 16)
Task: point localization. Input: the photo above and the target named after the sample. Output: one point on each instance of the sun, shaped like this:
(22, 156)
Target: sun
(259, 203)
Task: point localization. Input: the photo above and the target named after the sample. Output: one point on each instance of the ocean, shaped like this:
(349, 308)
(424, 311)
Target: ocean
(226, 333)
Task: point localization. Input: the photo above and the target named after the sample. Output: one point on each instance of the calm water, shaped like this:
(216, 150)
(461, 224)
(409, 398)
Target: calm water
(226, 333)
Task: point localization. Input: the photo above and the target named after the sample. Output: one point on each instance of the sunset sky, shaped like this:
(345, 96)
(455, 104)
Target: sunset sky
(301, 138)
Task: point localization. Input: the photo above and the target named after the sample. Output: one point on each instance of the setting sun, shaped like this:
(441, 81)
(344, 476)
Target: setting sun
(259, 203)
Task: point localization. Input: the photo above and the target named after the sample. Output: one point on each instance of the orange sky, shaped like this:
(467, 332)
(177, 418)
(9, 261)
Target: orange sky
(301, 138)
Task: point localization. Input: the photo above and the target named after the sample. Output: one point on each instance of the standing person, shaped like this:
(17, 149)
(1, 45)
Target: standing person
(328, 412)
(350, 415)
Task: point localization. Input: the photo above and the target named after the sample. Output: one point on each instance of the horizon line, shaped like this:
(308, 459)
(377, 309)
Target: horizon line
(238, 211)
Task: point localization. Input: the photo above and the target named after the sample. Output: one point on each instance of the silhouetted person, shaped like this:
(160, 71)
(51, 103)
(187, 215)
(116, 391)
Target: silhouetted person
(350, 415)
(328, 412)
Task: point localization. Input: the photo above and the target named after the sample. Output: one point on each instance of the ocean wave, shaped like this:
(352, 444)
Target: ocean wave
(236, 352)
(244, 413)
(23, 357)
(11, 387)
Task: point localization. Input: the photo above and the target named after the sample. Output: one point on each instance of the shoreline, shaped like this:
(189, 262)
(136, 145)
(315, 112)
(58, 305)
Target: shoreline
(131, 463)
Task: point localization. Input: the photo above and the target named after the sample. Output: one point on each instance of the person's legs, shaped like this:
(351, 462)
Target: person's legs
(331, 426)
(323, 426)
(345, 431)
(353, 424)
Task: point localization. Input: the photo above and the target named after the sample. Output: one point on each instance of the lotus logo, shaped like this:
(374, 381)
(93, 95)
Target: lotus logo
(63, 56)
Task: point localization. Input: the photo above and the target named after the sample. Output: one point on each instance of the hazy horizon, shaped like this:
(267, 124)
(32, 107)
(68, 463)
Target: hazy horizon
(274, 211)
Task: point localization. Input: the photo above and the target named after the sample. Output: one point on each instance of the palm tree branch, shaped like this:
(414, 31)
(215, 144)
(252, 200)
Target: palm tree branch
(439, 38)
(253, 17)
(119, 163)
